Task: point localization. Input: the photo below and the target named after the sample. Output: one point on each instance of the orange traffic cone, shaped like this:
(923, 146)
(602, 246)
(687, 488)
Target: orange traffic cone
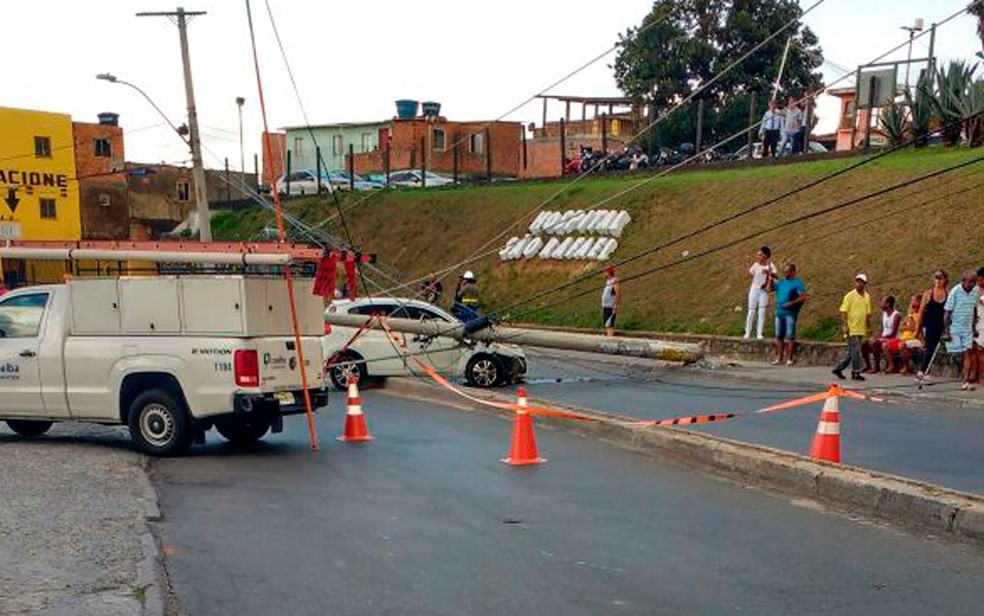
(355, 421)
(523, 451)
(826, 443)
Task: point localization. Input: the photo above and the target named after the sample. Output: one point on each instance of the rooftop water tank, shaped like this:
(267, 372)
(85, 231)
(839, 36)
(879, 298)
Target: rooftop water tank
(406, 109)
(431, 109)
(108, 118)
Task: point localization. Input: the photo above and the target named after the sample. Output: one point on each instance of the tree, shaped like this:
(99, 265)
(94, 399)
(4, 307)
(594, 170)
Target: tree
(682, 44)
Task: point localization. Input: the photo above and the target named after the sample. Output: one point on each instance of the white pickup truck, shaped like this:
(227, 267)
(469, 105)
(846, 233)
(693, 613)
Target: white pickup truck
(169, 357)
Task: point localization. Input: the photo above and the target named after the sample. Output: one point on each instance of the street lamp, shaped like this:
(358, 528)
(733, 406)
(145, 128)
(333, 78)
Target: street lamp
(915, 27)
(242, 155)
(198, 169)
(181, 131)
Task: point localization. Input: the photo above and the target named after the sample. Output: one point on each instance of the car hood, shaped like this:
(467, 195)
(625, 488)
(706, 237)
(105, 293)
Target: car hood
(509, 350)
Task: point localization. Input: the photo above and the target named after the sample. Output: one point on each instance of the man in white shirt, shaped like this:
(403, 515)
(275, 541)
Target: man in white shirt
(770, 129)
(792, 128)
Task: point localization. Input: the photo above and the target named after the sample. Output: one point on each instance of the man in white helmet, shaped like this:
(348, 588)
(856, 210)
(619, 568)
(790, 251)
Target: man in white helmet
(466, 297)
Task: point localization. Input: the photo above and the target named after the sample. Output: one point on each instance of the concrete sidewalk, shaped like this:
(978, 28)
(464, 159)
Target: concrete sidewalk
(74, 539)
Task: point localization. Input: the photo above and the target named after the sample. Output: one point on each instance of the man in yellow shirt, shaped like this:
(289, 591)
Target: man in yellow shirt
(854, 309)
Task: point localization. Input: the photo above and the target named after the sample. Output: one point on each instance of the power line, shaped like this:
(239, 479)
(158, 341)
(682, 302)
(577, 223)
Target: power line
(71, 145)
(775, 227)
(480, 254)
(686, 100)
(841, 228)
(721, 221)
(485, 125)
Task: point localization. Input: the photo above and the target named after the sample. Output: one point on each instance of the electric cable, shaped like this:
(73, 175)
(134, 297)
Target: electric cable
(658, 20)
(658, 120)
(479, 254)
(775, 227)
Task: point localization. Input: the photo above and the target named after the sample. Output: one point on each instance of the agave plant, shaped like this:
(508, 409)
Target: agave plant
(970, 103)
(974, 124)
(952, 87)
(894, 121)
(921, 109)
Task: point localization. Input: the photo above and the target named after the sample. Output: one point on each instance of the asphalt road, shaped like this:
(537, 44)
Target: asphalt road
(426, 520)
(942, 446)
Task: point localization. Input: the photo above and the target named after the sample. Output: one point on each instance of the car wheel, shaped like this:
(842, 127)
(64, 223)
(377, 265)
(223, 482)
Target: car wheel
(28, 428)
(159, 424)
(243, 430)
(484, 371)
(339, 374)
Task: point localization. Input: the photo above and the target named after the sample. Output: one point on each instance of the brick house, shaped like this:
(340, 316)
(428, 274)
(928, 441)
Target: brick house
(442, 146)
(615, 121)
(103, 198)
(273, 160)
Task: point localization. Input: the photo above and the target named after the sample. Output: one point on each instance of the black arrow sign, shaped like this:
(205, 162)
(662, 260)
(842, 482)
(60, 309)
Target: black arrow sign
(12, 199)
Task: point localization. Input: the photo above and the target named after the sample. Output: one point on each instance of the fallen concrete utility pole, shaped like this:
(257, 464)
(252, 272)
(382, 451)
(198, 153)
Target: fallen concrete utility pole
(635, 347)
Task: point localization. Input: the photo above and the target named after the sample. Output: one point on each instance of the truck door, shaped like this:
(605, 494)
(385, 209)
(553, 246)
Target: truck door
(20, 338)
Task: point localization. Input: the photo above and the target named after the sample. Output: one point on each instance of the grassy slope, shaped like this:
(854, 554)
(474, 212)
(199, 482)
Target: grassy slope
(420, 230)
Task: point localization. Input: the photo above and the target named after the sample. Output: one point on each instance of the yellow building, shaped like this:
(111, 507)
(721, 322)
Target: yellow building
(39, 193)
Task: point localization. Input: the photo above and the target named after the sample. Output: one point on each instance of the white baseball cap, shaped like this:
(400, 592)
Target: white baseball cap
(468, 275)
(861, 277)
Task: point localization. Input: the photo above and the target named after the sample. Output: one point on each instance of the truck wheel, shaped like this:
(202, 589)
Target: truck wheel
(159, 424)
(484, 371)
(28, 428)
(243, 430)
(339, 374)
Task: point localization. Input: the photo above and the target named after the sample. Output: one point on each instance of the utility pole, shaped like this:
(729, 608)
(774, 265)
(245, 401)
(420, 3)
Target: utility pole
(916, 27)
(181, 18)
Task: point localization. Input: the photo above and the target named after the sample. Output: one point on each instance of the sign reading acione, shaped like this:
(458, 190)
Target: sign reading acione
(578, 235)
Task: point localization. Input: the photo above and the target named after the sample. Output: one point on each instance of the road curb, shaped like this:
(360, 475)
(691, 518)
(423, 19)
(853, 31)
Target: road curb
(149, 574)
(906, 502)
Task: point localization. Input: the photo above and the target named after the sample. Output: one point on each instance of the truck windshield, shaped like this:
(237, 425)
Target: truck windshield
(20, 317)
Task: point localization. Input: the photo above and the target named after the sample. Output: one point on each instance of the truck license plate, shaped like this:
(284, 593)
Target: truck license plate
(284, 397)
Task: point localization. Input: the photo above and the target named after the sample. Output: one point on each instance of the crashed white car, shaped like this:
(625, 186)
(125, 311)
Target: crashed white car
(373, 354)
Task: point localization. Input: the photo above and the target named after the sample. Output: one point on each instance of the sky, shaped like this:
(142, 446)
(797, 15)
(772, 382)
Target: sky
(352, 60)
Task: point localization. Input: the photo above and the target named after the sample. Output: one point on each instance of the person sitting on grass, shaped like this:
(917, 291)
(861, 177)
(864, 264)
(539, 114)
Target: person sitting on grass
(910, 345)
(879, 345)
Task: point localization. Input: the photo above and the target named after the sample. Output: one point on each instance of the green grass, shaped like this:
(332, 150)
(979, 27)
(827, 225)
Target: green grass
(892, 238)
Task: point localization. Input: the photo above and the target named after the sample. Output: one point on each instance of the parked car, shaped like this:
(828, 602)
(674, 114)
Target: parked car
(413, 177)
(340, 180)
(373, 354)
(301, 183)
(306, 183)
